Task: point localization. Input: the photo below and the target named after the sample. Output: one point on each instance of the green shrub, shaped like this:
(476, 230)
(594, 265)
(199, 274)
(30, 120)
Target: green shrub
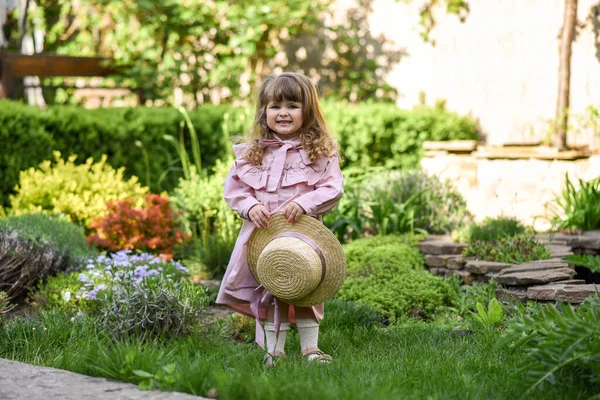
(79, 192)
(517, 250)
(555, 341)
(396, 202)
(68, 238)
(25, 143)
(5, 307)
(578, 207)
(153, 308)
(375, 134)
(490, 229)
(63, 292)
(35, 246)
(392, 280)
(135, 138)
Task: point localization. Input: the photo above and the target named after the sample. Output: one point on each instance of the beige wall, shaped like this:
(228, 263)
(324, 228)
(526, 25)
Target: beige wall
(501, 65)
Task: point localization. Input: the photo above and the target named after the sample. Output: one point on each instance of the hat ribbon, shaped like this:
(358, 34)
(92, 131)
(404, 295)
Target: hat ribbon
(262, 298)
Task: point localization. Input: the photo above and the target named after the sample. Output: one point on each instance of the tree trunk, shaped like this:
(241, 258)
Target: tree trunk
(564, 73)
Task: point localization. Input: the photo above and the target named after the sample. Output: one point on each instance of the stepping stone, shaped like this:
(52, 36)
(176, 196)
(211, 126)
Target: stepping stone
(534, 277)
(466, 277)
(576, 293)
(544, 292)
(438, 260)
(439, 247)
(483, 267)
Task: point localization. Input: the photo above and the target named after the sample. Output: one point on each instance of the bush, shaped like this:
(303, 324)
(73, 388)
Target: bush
(396, 202)
(79, 192)
(578, 208)
(134, 138)
(375, 134)
(35, 246)
(214, 226)
(517, 250)
(40, 228)
(153, 308)
(25, 143)
(391, 279)
(490, 229)
(151, 228)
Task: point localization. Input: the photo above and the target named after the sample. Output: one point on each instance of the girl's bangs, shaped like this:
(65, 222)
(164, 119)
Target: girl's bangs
(284, 89)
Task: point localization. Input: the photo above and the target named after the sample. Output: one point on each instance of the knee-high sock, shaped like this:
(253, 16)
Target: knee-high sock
(276, 344)
(308, 331)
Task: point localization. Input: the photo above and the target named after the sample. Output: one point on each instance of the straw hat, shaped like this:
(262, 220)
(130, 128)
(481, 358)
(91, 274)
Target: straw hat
(301, 263)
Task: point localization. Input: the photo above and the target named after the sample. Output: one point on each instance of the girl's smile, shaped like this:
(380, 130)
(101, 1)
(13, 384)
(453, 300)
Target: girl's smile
(285, 117)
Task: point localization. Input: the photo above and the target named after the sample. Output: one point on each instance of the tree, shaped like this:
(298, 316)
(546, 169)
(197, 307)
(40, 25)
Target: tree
(564, 73)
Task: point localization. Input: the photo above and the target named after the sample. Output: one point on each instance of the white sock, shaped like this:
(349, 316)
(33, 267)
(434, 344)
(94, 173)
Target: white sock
(276, 344)
(308, 331)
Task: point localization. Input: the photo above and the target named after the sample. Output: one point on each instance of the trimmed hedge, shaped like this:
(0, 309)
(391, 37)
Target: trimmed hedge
(369, 134)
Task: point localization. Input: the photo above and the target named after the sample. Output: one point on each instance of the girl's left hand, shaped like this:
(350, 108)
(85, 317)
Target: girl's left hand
(293, 211)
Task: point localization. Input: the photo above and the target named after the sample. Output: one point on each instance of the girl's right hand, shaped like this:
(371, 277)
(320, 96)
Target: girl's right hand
(259, 216)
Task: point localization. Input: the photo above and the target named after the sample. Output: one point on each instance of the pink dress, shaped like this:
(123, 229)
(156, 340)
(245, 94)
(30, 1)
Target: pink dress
(286, 174)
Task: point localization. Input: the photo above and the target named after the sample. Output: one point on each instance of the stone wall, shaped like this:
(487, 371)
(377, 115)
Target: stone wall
(511, 183)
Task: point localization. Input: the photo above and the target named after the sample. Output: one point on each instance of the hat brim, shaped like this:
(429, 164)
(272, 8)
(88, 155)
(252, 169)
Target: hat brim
(335, 261)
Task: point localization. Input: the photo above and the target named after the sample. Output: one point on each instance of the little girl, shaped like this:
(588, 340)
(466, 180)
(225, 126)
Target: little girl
(290, 166)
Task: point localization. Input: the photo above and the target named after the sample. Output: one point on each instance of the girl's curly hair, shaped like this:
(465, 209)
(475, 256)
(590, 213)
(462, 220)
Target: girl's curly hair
(291, 86)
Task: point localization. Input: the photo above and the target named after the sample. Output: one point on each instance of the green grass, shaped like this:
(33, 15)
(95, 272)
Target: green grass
(414, 360)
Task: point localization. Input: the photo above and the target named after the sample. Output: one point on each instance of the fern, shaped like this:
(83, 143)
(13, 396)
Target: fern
(553, 338)
(585, 260)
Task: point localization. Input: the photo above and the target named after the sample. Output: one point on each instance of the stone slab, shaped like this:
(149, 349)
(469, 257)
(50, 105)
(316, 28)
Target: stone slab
(460, 146)
(586, 242)
(439, 247)
(511, 294)
(535, 277)
(560, 251)
(576, 293)
(544, 292)
(433, 260)
(456, 262)
(538, 265)
(483, 267)
(24, 381)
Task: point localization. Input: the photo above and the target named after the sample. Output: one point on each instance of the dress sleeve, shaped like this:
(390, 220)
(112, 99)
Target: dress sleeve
(238, 194)
(328, 190)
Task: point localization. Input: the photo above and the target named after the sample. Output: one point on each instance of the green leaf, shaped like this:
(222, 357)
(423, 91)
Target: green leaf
(142, 374)
(495, 312)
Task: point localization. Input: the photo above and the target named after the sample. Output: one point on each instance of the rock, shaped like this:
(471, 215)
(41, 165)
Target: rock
(438, 260)
(511, 294)
(535, 276)
(586, 242)
(576, 293)
(484, 267)
(439, 247)
(466, 277)
(438, 271)
(456, 262)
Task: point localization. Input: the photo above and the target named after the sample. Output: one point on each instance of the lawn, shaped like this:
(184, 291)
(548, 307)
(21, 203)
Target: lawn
(411, 360)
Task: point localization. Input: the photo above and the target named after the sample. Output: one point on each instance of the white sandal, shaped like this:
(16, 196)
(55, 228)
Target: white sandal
(314, 354)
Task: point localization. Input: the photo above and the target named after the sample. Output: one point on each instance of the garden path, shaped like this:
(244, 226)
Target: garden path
(20, 381)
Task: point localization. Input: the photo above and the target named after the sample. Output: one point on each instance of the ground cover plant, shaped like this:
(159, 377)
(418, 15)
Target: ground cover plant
(515, 250)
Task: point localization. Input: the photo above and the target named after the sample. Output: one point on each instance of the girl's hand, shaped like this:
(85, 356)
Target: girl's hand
(293, 211)
(259, 216)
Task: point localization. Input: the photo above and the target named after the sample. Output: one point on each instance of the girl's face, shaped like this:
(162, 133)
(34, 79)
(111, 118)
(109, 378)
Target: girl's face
(285, 117)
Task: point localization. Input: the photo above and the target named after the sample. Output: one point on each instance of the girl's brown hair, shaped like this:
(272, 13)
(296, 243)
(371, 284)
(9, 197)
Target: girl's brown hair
(291, 86)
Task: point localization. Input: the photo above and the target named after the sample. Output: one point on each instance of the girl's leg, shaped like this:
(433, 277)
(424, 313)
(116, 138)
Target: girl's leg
(308, 331)
(276, 343)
